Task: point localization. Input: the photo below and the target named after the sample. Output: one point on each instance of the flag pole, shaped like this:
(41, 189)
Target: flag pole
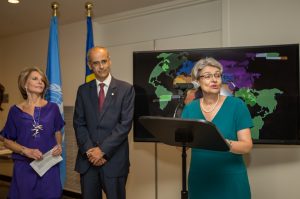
(89, 75)
(54, 6)
(89, 7)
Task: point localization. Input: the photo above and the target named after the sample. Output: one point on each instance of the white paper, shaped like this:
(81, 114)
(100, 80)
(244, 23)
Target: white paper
(43, 165)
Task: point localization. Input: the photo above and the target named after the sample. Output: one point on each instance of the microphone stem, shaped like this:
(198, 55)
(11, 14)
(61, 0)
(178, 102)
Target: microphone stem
(180, 105)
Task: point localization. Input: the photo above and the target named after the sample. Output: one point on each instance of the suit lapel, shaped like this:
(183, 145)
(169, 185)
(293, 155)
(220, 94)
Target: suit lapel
(109, 98)
(94, 96)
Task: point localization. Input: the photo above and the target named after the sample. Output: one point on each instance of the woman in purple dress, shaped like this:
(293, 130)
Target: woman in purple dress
(32, 129)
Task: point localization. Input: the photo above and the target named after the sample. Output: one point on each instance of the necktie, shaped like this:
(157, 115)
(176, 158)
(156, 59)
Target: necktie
(101, 96)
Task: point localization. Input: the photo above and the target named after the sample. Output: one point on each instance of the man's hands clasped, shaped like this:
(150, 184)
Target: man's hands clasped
(95, 156)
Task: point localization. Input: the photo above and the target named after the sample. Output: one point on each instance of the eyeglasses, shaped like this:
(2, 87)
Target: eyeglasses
(209, 76)
(102, 62)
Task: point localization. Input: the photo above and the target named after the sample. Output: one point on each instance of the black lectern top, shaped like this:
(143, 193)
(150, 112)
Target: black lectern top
(185, 132)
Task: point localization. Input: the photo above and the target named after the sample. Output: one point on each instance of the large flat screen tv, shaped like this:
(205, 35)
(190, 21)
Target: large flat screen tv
(266, 78)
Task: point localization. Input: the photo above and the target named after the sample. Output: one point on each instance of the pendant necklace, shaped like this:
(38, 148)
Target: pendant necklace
(37, 127)
(213, 107)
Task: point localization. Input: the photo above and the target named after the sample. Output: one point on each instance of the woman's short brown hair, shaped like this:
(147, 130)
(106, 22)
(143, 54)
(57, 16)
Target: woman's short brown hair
(23, 77)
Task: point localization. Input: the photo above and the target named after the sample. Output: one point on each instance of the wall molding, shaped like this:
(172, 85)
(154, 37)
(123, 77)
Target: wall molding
(149, 10)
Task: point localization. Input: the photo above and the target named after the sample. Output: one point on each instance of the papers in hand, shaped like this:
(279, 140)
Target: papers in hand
(43, 165)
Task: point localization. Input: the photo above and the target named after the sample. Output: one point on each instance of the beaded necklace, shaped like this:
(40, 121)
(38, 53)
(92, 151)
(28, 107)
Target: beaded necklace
(213, 107)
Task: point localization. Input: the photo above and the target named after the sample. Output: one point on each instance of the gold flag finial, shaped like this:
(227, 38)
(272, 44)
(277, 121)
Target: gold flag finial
(54, 7)
(88, 7)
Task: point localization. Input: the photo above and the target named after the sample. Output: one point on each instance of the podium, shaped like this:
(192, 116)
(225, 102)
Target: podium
(185, 133)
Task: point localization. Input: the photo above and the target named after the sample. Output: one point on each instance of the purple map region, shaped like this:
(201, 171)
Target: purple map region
(235, 74)
(251, 55)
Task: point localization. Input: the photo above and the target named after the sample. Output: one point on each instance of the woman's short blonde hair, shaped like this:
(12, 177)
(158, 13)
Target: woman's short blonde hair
(23, 77)
(202, 63)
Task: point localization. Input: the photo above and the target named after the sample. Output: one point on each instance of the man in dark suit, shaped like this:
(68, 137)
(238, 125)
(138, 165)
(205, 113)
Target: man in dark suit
(102, 129)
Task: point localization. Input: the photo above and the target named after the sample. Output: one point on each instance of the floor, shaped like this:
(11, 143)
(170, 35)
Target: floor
(3, 189)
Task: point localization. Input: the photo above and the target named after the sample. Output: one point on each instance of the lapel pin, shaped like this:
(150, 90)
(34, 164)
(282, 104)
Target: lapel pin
(112, 94)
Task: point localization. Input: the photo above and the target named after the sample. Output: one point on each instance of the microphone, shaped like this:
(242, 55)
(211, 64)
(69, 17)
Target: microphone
(185, 86)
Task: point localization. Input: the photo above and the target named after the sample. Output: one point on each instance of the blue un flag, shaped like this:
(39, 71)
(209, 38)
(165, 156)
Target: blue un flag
(54, 93)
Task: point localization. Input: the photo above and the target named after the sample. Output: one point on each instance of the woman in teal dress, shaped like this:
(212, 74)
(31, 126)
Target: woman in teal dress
(212, 174)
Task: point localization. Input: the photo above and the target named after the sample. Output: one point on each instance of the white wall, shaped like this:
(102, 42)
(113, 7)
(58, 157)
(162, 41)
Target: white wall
(72, 39)
(263, 22)
(274, 171)
(17, 53)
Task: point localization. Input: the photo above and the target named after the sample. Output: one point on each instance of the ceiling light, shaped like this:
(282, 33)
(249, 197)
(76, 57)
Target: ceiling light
(13, 1)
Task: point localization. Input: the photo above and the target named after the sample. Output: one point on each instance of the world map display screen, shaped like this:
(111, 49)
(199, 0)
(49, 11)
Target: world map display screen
(266, 78)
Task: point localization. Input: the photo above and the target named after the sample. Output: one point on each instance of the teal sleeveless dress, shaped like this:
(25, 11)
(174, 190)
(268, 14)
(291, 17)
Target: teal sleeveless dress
(219, 175)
